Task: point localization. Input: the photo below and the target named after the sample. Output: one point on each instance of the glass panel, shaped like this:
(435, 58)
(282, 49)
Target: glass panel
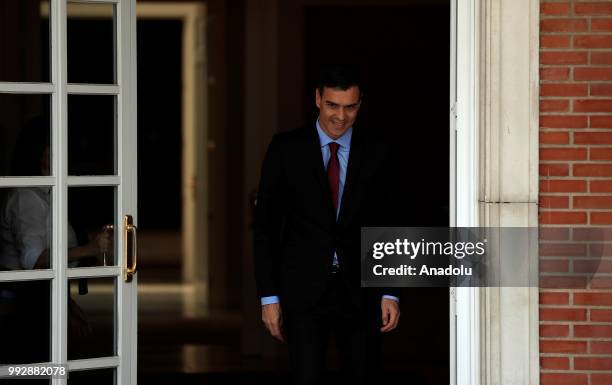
(91, 318)
(91, 135)
(91, 213)
(91, 43)
(93, 377)
(25, 228)
(25, 132)
(25, 315)
(24, 41)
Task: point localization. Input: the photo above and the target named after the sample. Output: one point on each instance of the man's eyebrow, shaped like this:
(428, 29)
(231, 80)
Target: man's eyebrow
(330, 103)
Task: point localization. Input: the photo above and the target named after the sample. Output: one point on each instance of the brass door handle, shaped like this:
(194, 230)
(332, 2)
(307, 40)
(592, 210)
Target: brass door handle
(130, 238)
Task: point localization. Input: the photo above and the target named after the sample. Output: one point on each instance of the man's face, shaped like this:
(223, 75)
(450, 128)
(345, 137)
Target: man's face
(338, 109)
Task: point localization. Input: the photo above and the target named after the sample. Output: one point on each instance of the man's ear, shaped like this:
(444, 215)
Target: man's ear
(318, 98)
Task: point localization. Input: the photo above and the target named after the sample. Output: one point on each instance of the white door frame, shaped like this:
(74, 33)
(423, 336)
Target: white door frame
(464, 325)
(494, 181)
(125, 181)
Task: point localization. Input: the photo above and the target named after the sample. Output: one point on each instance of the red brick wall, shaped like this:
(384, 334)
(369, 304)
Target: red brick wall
(575, 191)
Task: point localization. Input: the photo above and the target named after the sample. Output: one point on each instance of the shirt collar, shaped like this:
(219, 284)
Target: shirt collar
(343, 141)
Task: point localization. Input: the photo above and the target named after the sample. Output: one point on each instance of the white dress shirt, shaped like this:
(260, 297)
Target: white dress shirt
(25, 227)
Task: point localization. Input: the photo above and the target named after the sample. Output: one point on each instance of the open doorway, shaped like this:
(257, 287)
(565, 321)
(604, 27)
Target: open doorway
(160, 150)
(407, 97)
(407, 68)
(403, 48)
(172, 144)
(173, 190)
(404, 55)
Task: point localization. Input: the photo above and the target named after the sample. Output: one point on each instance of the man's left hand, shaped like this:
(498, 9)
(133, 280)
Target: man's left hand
(390, 314)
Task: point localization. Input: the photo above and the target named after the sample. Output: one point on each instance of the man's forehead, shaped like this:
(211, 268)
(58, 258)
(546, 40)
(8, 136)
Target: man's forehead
(339, 96)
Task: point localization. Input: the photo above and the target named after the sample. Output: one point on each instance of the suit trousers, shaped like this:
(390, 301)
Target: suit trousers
(355, 329)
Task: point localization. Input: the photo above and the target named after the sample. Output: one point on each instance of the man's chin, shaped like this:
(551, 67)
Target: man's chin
(338, 130)
(335, 130)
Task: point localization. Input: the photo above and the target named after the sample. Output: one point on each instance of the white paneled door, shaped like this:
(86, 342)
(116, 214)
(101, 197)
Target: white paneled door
(68, 238)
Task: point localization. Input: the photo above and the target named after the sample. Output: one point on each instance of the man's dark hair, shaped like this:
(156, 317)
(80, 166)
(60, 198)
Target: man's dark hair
(340, 77)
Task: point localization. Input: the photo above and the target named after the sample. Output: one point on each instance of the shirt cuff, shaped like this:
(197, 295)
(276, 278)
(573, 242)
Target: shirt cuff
(391, 297)
(269, 300)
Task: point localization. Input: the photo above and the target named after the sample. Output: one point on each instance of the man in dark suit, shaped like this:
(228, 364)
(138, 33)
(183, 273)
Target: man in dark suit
(319, 185)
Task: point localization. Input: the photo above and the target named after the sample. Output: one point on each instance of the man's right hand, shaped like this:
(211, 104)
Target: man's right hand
(272, 318)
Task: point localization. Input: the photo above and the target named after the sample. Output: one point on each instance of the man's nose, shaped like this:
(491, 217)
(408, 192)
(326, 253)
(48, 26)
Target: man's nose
(341, 113)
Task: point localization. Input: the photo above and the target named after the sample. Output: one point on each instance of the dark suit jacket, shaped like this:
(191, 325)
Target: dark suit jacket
(296, 232)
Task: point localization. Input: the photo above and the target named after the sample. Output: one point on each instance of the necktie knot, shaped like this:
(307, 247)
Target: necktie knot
(333, 147)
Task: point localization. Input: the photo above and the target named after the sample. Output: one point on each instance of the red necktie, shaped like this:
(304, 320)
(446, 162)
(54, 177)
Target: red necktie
(333, 173)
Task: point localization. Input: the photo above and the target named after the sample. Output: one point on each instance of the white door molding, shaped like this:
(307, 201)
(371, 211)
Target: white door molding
(465, 321)
(497, 179)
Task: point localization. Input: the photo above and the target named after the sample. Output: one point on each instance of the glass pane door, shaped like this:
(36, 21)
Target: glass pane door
(68, 247)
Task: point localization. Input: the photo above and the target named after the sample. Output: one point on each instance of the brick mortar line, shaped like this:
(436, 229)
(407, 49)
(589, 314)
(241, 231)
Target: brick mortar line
(572, 34)
(562, 194)
(578, 355)
(575, 307)
(544, 178)
(566, 225)
(549, 130)
(571, 15)
(565, 129)
(577, 209)
(565, 114)
(573, 97)
(578, 258)
(609, 209)
(586, 323)
(570, 81)
(571, 146)
(575, 33)
(571, 49)
(569, 65)
(574, 339)
(565, 194)
(564, 339)
(572, 371)
(552, 290)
